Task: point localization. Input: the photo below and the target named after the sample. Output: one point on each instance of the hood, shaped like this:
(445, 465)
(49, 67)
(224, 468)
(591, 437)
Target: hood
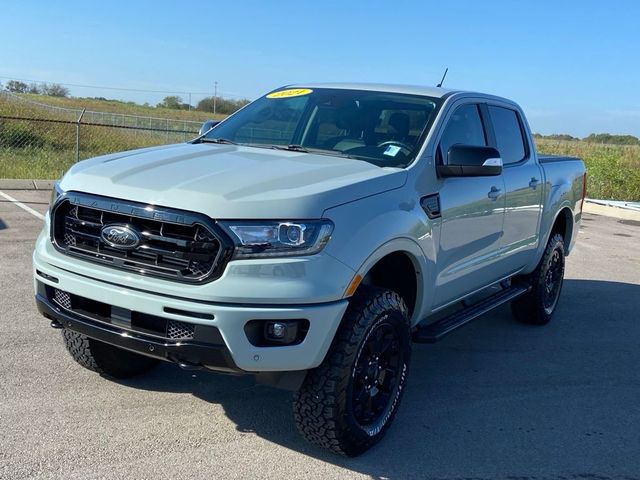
(232, 181)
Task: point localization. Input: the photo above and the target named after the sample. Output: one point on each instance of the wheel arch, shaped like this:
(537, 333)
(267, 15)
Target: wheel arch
(563, 224)
(404, 262)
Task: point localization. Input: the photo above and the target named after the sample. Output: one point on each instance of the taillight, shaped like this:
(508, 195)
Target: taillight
(584, 189)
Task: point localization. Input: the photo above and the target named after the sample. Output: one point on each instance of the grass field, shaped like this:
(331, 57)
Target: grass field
(47, 150)
(613, 171)
(39, 149)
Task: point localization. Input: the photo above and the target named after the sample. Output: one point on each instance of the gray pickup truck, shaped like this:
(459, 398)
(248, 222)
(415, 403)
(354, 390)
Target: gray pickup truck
(309, 239)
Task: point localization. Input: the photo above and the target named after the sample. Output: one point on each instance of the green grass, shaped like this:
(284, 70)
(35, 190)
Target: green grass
(35, 163)
(613, 171)
(44, 150)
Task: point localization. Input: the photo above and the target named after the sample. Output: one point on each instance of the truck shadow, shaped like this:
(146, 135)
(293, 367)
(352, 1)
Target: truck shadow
(495, 396)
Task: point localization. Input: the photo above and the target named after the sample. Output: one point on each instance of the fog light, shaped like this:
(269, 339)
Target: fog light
(277, 330)
(271, 333)
(281, 331)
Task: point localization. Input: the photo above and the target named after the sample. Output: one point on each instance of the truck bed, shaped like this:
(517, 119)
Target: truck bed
(556, 158)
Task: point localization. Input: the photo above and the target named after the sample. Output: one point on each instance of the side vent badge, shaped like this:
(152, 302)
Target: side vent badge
(431, 205)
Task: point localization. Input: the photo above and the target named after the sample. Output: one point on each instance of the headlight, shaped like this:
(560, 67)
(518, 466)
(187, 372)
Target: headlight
(56, 191)
(259, 239)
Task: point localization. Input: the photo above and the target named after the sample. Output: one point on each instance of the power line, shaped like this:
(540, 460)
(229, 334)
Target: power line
(139, 90)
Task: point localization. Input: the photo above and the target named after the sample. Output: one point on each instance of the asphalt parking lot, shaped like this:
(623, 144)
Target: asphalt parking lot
(496, 400)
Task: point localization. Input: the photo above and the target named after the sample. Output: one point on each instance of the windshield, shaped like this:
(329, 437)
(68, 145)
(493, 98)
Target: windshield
(385, 129)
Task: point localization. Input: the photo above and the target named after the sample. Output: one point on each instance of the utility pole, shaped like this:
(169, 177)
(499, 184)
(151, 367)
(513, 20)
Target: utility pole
(189, 101)
(215, 97)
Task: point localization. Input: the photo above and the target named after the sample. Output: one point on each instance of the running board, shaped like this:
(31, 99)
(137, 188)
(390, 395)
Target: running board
(439, 329)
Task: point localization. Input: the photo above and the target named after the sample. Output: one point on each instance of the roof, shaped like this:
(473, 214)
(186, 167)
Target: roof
(433, 92)
(383, 87)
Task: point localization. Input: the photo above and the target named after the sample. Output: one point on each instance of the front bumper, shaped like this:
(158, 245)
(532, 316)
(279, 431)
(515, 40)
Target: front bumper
(214, 356)
(117, 289)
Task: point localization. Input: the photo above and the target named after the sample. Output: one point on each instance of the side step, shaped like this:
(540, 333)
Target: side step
(439, 329)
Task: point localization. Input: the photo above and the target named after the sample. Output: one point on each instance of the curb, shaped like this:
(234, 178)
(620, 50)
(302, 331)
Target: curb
(21, 184)
(611, 211)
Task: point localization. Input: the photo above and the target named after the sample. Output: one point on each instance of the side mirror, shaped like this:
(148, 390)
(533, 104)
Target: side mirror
(471, 161)
(208, 125)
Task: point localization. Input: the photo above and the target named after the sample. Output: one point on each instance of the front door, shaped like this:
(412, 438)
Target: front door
(472, 210)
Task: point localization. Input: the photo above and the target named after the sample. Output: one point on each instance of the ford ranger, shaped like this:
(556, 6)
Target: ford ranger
(309, 239)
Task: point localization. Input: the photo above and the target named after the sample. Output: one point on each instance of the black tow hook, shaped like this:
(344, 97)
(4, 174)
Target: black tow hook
(189, 366)
(185, 364)
(56, 324)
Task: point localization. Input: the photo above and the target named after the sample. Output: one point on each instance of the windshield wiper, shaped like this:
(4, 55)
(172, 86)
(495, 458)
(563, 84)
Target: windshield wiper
(217, 140)
(301, 149)
(320, 151)
(291, 148)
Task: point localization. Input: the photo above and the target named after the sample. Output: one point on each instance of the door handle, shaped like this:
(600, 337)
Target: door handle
(534, 182)
(494, 193)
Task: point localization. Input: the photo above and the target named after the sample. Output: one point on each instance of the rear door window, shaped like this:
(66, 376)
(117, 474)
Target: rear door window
(508, 132)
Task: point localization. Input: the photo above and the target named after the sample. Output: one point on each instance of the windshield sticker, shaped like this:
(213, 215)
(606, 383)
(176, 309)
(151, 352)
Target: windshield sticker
(292, 92)
(392, 150)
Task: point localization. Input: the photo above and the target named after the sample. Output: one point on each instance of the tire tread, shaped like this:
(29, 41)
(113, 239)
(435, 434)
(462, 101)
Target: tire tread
(528, 308)
(105, 359)
(318, 405)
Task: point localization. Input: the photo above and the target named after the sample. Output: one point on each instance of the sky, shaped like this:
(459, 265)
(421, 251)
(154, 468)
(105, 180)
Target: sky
(574, 66)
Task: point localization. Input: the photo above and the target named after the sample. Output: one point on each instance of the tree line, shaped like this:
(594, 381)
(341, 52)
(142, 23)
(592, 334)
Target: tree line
(51, 89)
(221, 105)
(604, 138)
(208, 104)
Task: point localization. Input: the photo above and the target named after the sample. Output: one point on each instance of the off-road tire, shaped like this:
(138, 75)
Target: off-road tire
(535, 307)
(106, 359)
(323, 408)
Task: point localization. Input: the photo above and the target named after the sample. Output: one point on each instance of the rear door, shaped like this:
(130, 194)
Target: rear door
(524, 189)
(472, 210)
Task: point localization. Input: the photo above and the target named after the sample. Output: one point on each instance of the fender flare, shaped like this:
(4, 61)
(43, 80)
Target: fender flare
(558, 194)
(417, 257)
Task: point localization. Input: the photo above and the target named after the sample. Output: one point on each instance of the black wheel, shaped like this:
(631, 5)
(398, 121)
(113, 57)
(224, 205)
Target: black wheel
(537, 306)
(106, 359)
(349, 401)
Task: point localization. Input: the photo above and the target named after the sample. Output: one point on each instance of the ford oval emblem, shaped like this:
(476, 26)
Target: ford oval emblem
(120, 236)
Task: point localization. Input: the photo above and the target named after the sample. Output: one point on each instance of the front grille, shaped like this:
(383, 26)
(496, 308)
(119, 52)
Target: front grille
(172, 244)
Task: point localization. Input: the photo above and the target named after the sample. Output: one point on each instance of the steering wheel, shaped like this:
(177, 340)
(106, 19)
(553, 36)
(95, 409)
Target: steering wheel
(403, 146)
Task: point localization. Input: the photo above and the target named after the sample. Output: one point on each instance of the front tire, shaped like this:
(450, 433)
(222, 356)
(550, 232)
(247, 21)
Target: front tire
(106, 359)
(537, 306)
(347, 404)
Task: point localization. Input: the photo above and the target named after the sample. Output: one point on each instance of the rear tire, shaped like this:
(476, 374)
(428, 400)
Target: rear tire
(347, 404)
(106, 359)
(537, 306)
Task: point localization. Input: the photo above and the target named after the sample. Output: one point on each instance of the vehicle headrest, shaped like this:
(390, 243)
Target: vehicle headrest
(399, 122)
(350, 118)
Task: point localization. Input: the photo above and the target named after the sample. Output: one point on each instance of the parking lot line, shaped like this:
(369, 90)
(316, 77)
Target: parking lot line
(21, 205)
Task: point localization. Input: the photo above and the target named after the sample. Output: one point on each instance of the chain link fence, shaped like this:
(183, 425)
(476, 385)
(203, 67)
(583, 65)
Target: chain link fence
(44, 142)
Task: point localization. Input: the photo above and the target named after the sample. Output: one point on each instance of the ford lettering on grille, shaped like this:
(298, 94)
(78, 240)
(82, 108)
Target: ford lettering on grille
(120, 236)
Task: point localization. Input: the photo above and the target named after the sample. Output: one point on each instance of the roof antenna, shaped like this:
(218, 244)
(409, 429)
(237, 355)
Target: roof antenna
(443, 76)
